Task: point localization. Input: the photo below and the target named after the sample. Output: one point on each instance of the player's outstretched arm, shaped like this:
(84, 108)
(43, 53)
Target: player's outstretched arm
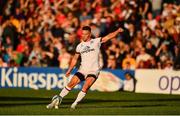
(111, 35)
(72, 64)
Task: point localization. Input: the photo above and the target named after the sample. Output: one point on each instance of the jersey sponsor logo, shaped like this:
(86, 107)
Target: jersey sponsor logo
(91, 42)
(87, 49)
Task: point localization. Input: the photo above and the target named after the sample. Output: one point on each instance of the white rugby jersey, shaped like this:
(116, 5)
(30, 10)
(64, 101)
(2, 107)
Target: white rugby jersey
(89, 52)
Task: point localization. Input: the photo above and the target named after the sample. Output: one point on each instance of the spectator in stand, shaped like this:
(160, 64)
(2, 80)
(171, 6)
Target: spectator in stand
(143, 57)
(156, 7)
(2, 63)
(85, 16)
(141, 65)
(144, 7)
(152, 63)
(34, 62)
(163, 53)
(8, 42)
(151, 22)
(64, 59)
(147, 34)
(168, 65)
(128, 63)
(7, 55)
(111, 59)
(154, 40)
(150, 49)
(138, 45)
(177, 57)
(111, 63)
(12, 63)
(22, 46)
(71, 42)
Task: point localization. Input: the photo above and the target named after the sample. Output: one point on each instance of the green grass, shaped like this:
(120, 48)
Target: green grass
(31, 102)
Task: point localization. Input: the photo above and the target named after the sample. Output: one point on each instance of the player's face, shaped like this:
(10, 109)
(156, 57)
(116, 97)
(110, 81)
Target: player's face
(86, 35)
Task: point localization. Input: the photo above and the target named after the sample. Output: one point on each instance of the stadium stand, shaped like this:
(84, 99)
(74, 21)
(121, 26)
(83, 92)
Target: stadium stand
(40, 33)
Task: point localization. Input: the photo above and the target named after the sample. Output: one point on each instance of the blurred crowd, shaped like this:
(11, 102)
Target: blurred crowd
(44, 33)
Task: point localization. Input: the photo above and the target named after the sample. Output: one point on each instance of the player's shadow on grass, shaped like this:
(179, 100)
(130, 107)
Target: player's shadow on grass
(7, 98)
(18, 101)
(24, 101)
(131, 100)
(38, 99)
(121, 106)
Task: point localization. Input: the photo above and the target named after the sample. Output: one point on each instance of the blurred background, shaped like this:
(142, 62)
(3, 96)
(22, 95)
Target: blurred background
(44, 33)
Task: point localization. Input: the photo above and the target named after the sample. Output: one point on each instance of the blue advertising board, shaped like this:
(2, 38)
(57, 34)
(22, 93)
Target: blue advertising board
(44, 78)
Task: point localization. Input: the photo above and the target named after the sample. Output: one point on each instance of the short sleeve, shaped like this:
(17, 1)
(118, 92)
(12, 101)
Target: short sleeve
(98, 40)
(78, 48)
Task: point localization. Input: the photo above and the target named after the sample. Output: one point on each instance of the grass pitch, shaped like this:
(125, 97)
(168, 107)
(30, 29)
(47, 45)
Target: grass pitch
(32, 102)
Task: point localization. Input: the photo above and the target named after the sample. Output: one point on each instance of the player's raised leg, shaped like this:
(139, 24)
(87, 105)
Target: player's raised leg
(88, 83)
(57, 99)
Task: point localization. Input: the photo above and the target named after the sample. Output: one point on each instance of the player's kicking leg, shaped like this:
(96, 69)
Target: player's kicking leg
(88, 83)
(57, 99)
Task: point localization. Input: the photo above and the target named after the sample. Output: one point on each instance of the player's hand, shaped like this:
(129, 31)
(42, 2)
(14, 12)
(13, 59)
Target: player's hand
(68, 73)
(120, 30)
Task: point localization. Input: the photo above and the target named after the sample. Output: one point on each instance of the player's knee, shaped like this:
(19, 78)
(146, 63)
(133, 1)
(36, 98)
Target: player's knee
(71, 85)
(85, 89)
